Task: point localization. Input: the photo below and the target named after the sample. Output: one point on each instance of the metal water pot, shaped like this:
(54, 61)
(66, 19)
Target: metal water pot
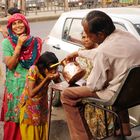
(72, 72)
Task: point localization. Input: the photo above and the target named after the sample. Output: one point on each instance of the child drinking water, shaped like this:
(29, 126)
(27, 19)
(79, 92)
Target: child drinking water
(33, 102)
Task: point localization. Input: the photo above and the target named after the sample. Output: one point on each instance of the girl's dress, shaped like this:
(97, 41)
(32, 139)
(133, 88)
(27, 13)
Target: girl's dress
(33, 111)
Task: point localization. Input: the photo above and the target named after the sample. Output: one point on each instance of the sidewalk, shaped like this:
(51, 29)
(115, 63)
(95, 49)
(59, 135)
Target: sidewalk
(44, 15)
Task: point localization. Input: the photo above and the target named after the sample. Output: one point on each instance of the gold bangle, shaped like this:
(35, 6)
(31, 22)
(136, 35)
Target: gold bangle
(16, 54)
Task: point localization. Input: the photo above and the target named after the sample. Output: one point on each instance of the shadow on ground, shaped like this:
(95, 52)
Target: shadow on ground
(59, 130)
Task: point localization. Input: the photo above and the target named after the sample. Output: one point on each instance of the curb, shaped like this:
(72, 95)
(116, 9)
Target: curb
(34, 18)
(42, 18)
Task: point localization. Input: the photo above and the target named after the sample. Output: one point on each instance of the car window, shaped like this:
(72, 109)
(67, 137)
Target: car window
(66, 28)
(72, 31)
(76, 29)
(120, 26)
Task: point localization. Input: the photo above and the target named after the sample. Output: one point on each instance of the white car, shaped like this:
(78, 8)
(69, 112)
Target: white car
(69, 25)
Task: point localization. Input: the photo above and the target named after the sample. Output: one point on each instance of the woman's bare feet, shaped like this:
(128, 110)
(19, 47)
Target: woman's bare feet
(126, 130)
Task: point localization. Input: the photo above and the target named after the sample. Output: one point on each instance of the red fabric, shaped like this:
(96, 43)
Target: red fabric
(27, 51)
(4, 106)
(32, 46)
(11, 131)
(19, 16)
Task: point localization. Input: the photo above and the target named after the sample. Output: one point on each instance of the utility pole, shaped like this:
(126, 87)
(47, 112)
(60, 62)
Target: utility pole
(6, 7)
(66, 5)
(23, 5)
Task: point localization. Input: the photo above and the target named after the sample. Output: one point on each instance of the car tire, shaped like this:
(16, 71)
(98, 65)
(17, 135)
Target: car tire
(56, 99)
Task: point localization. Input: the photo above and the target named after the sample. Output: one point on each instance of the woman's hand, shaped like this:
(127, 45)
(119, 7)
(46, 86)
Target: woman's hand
(12, 61)
(21, 39)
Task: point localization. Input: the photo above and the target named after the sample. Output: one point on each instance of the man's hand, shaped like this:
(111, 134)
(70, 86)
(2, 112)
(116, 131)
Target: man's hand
(71, 57)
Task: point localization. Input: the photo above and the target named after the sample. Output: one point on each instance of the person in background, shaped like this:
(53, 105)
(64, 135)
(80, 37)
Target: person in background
(13, 10)
(10, 11)
(107, 73)
(3, 31)
(34, 99)
(20, 51)
(84, 62)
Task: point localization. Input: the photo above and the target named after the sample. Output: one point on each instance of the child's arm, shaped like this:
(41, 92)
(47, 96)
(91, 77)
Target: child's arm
(4, 31)
(34, 90)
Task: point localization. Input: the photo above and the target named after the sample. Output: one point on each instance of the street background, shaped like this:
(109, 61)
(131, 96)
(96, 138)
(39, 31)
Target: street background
(38, 6)
(41, 21)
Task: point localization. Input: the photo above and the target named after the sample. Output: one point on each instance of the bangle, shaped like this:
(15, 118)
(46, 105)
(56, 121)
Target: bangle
(16, 54)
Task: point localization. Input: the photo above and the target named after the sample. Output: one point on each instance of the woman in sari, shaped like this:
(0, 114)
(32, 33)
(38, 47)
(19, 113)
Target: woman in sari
(20, 51)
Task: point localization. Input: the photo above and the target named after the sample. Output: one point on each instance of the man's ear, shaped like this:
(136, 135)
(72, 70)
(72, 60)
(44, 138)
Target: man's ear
(101, 36)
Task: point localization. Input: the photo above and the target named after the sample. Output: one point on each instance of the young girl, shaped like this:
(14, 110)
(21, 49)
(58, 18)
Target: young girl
(33, 101)
(84, 62)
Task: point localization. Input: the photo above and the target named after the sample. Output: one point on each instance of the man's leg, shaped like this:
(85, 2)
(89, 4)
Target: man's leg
(69, 98)
(124, 116)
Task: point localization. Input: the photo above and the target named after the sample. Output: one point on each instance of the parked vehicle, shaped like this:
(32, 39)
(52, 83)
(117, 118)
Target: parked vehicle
(74, 3)
(35, 4)
(89, 3)
(69, 25)
(71, 3)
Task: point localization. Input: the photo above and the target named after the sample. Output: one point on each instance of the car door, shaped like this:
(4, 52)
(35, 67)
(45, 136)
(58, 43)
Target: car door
(63, 45)
(126, 25)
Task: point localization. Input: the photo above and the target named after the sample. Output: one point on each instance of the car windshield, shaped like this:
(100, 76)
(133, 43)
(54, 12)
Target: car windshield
(137, 26)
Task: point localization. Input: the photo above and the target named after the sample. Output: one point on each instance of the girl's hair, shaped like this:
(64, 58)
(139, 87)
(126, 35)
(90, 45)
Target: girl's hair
(46, 60)
(98, 21)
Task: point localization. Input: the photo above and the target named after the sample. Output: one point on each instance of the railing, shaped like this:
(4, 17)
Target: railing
(61, 5)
